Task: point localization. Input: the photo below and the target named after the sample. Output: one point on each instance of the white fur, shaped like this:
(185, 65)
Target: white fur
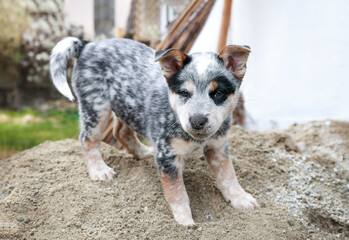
(66, 49)
(182, 147)
(201, 64)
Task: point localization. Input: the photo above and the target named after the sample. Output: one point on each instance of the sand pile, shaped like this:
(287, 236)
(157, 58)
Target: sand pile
(299, 176)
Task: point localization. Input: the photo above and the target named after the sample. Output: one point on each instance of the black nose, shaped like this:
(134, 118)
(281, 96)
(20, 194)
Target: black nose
(198, 121)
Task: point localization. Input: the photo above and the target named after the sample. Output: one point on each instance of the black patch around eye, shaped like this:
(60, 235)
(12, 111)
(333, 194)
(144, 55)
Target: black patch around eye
(224, 89)
(184, 93)
(226, 85)
(176, 86)
(219, 96)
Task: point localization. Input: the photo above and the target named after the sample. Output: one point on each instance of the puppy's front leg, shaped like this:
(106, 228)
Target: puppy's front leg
(218, 157)
(171, 175)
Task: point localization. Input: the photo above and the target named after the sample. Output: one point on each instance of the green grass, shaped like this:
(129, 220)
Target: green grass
(52, 125)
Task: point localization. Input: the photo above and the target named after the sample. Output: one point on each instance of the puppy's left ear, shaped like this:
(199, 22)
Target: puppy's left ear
(235, 58)
(171, 61)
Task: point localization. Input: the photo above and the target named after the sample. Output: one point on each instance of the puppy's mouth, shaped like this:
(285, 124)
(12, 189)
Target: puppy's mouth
(199, 134)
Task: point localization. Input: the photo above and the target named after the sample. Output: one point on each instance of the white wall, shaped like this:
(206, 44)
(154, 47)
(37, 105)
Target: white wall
(299, 66)
(80, 12)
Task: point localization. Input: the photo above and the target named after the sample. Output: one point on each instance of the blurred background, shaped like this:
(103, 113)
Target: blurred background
(297, 72)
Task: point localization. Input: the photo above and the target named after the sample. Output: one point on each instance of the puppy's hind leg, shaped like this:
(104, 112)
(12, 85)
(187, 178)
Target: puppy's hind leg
(94, 119)
(130, 141)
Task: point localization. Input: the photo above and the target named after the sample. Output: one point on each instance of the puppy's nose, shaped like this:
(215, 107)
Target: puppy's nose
(198, 121)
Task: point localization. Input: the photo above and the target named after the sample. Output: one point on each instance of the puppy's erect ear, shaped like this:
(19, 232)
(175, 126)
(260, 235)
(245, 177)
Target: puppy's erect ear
(235, 58)
(171, 61)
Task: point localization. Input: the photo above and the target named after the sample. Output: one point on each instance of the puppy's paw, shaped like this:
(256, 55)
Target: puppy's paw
(146, 152)
(182, 214)
(185, 221)
(244, 201)
(101, 172)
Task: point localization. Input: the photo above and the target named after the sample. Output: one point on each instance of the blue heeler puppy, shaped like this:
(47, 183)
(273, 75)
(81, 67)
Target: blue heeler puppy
(179, 102)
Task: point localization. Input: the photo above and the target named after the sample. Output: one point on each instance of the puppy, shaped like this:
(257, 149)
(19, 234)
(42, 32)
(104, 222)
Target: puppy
(179, 102)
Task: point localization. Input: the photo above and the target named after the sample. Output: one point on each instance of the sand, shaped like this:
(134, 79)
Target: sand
(299, 176)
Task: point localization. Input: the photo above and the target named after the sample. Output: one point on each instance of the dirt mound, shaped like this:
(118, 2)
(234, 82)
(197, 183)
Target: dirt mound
(299, 176)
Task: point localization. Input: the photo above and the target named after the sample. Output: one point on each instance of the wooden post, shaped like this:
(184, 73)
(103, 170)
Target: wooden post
(224, 25)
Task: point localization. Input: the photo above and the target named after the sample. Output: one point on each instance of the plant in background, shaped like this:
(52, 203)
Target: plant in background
(45, 30)
(29, 30)
(14, 20)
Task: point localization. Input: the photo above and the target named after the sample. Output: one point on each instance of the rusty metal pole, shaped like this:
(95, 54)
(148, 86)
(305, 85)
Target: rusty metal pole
(224, 24)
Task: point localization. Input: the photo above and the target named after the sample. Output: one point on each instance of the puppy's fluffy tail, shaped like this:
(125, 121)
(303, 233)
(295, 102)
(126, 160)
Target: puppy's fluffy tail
(65, 49)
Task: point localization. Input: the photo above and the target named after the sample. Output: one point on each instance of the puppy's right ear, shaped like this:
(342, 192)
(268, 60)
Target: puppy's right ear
(171, 61)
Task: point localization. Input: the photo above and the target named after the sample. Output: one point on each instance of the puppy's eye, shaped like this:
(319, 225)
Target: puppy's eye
(184, 93)
(218, 94)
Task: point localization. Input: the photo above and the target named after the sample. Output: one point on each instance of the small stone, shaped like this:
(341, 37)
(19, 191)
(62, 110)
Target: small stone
(145, 209)
(199, 229)
(21, 220)
(301, 146)
(310, 231)
(208, 217)
(284, 231)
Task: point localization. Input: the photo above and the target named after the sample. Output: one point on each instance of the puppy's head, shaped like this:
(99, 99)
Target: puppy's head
(203, 86)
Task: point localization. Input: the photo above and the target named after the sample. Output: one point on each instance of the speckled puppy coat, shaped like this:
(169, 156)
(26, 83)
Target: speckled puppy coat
(179, 102)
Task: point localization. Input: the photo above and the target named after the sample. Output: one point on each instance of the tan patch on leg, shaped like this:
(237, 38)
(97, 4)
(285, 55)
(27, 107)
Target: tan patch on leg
(177, 197)
(130, 141)
(227, 181)
(117, 127)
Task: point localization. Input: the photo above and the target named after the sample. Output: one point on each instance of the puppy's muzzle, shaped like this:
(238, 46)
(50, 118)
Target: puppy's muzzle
(198, 121)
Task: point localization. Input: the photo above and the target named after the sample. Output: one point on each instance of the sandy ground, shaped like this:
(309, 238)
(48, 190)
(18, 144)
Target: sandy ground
(299, 176)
